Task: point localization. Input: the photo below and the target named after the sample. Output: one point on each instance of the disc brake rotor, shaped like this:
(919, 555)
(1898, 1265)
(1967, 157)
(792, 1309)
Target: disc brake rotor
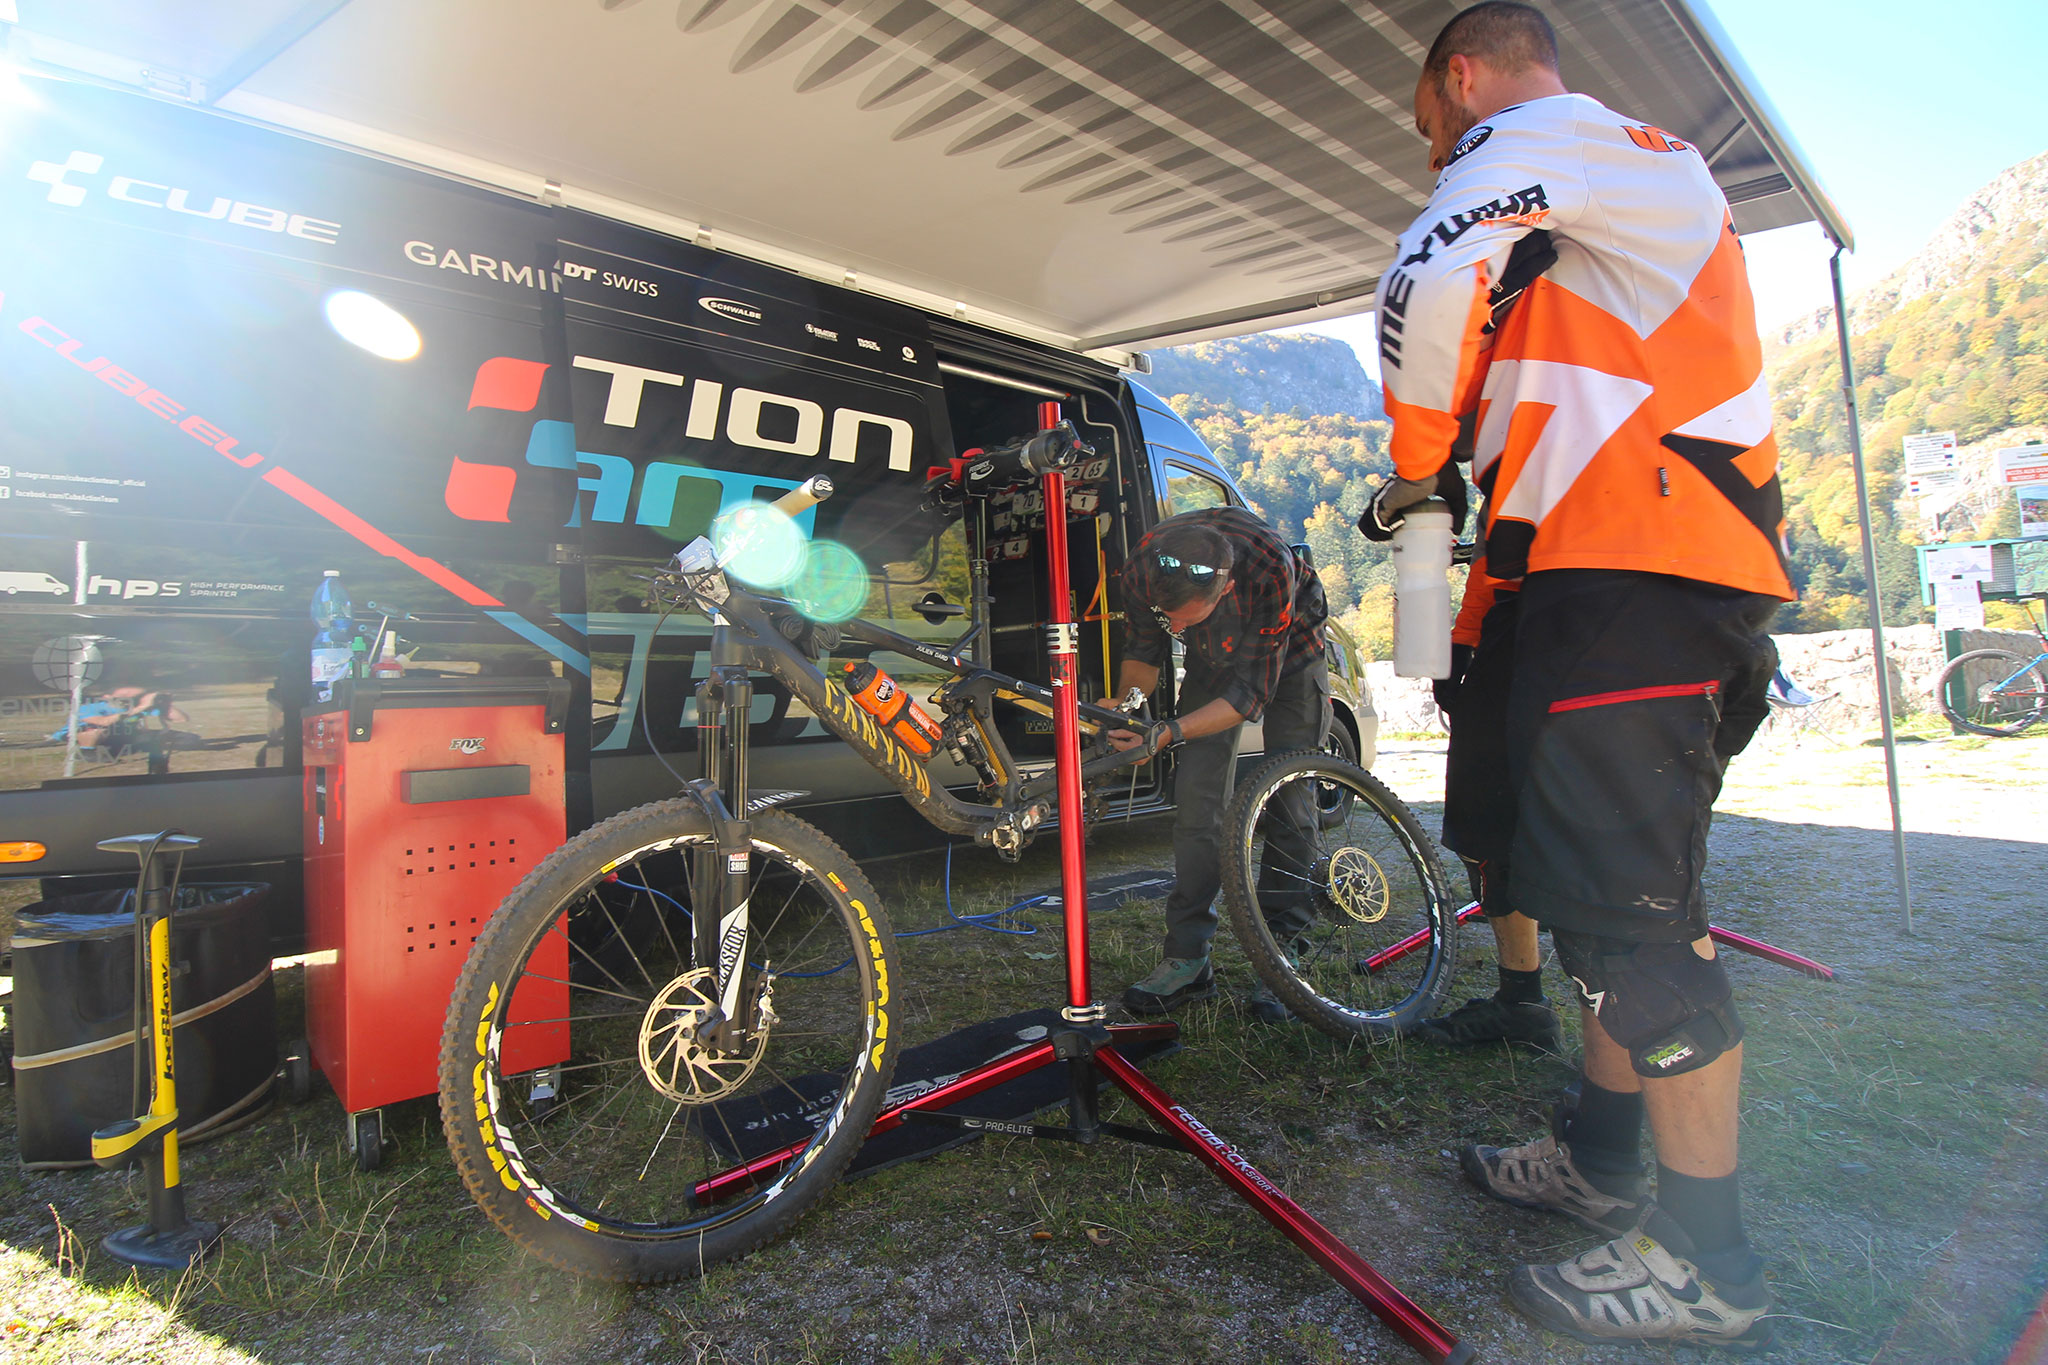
(674, 1054)
(1351, 881)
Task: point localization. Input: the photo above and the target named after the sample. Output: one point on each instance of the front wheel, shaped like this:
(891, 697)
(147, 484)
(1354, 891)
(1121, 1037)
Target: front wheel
(1348, 921)
(1992, 691)
(604, 1106)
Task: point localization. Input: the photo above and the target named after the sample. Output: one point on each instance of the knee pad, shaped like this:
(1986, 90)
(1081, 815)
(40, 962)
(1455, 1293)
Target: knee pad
(1669, 1007)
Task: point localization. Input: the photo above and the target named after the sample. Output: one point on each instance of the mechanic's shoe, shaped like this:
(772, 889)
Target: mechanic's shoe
(1644, 1286)
(1267, 1008)
(1541, 1175)
(1174, 982)
(1489, 1019)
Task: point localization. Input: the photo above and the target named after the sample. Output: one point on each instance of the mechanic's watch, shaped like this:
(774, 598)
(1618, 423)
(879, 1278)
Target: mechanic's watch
(1163, 735)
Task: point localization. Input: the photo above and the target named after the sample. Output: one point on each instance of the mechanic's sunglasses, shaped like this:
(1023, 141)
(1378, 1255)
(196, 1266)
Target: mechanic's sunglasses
(1200, 573)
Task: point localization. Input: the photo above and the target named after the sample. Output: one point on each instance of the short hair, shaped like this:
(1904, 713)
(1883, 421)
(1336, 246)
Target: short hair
(1190, 543)
(1509, 37)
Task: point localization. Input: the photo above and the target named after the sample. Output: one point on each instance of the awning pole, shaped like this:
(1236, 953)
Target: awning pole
(1884, 675)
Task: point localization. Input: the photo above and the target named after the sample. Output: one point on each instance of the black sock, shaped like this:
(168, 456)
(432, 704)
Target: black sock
(1520, 988)
(1606, 1134)
(1708, 1209)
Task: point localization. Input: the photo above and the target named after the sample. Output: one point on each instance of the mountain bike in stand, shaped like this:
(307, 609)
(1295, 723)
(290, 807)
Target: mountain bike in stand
(673, 1037)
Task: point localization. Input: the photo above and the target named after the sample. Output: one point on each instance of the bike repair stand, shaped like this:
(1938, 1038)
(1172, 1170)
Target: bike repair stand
(1087, 1044)
(169, 1240)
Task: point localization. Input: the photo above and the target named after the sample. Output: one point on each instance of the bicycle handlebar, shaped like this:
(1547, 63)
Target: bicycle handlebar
(805, 495)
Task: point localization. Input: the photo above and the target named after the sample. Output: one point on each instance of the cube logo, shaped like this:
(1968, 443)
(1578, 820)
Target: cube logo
(54, 173)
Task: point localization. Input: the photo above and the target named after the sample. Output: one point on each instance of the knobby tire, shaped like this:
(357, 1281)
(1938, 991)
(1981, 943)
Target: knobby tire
(592, 1167)
(1373, 879)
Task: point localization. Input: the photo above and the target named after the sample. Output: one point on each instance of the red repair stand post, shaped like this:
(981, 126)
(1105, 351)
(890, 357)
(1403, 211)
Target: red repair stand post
(1087, 1043)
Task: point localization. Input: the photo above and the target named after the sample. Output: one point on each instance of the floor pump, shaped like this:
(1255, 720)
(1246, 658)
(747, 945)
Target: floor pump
(169, 1240)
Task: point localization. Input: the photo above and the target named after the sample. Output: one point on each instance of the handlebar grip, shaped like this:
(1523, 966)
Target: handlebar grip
(807, 494)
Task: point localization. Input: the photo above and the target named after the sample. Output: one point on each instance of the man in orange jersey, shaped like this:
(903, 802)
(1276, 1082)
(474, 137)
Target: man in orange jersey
(1623, 441)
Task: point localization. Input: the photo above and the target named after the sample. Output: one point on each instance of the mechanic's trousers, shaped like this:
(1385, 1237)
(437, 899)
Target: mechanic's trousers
(1298, 717)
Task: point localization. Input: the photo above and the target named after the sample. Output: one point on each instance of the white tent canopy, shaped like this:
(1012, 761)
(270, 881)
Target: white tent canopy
(1096, 174)
(1093, 174)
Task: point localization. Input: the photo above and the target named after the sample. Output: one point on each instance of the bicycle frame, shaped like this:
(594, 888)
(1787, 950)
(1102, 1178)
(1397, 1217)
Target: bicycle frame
(745, 638)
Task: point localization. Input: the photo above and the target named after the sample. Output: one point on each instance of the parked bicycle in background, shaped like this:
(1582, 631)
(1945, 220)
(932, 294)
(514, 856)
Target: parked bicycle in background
(1996, 691)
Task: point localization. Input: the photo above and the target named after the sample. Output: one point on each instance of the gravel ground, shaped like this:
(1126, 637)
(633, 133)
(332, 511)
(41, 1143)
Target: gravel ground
(1893, 1157)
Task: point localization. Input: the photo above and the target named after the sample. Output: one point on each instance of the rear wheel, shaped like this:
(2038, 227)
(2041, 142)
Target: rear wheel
(1992, 691)
(603, 1108)
(1348, 921)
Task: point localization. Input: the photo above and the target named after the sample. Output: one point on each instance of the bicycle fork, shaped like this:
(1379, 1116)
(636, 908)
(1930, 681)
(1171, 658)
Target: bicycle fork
(721, 875)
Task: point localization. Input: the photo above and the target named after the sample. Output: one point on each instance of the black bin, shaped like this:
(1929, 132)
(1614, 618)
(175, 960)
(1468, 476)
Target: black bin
(74, 1015)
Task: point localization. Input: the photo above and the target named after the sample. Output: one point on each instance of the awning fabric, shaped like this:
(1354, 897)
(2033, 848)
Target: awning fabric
(1098, 174)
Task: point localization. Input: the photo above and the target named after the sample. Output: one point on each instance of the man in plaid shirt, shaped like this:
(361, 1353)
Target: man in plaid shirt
(1251, 614)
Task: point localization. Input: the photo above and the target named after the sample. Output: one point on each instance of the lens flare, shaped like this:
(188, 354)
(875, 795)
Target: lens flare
(833, 585)
(363, 320)
(14, 90)
(758, 544)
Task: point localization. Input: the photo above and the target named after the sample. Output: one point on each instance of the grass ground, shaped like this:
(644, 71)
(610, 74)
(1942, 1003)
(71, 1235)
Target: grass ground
(1894, 1126)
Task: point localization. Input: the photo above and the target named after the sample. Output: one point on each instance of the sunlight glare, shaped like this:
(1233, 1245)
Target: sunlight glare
(363, 320)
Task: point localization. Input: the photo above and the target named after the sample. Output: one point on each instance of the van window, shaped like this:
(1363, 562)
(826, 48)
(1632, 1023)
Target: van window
(1187, 491)
(1166, 431)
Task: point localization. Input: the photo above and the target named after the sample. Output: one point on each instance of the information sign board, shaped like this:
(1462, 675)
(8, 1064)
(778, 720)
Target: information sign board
(1930, 452)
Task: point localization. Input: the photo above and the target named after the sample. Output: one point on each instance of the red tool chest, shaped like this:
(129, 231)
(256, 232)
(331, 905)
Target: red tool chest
(426, 800)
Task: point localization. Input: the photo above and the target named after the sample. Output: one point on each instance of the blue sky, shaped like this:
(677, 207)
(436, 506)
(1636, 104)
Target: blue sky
(1904, 110)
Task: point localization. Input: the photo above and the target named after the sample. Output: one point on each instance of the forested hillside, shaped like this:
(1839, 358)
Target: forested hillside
(1956, 338)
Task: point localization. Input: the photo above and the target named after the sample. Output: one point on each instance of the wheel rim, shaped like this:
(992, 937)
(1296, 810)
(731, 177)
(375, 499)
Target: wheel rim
(1373, 887)
(651, 1100)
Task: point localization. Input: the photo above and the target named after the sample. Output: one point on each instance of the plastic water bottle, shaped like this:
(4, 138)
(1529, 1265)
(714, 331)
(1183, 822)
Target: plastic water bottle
(1422, 592)
(334, 635)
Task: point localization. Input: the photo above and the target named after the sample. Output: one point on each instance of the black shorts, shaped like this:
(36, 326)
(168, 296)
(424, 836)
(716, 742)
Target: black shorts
(1479, 802)
(1631, 692)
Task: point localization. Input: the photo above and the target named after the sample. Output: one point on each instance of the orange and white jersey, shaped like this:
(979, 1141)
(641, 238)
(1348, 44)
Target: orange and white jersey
(1623, 420)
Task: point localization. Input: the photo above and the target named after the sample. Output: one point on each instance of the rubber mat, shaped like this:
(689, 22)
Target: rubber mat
(745, 1128)
(1107, 893)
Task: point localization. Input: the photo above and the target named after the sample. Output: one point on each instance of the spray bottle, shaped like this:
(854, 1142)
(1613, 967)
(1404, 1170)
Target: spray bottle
(334, 635)
(879, 695)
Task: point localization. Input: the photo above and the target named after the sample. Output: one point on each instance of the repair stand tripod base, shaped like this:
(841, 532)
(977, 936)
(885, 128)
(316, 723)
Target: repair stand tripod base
(175, 1249)
(1090, 1052)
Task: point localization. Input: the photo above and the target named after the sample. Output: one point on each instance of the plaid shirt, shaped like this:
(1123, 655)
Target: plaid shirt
(1268, 624)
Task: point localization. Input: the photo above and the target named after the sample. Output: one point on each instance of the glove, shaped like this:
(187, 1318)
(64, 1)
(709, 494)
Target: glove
(1161, 736)
(1384, 515)
(1450, 486)
(1447, 689)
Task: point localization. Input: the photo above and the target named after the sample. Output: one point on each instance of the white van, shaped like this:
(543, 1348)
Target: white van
(12, 583)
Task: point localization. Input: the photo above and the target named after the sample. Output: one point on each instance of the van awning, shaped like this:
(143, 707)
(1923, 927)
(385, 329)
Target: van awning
(1096, 174)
